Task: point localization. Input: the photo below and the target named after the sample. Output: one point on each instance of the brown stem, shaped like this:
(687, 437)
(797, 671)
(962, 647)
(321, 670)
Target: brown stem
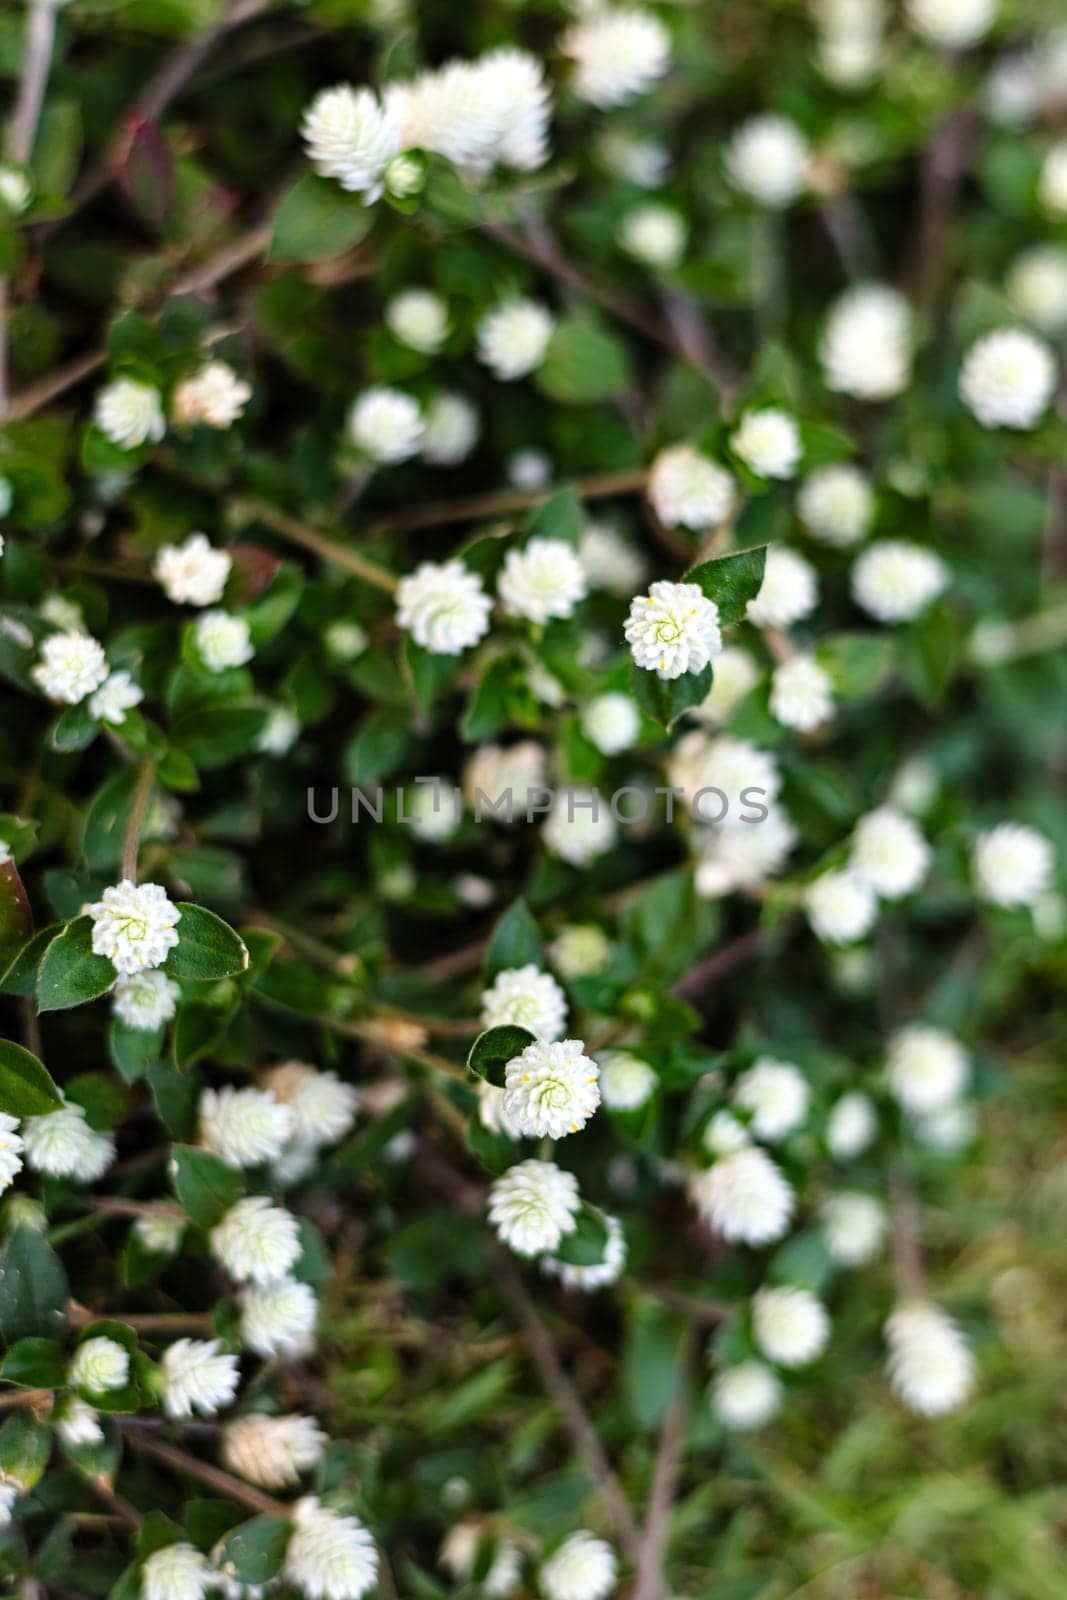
(503, 502)
(37, 1400)
(372, 1033)
(299, 533)
(226, 1484)
(80, 1316)
(942, 172)
(142, 794)
(137, 1208)
(649, 1583)
(122, 1508)
(693, 984)
(908, 1274)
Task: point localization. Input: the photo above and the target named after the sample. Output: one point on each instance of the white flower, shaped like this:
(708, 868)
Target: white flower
(134, 925)
(279, 1317)
(477, 113)
(345, 640)
(841, 907)
(776, 1094)
(655, 235)
(851, 1126)
(580, 949)
(890, 853)
(579, 827)
(272, 1451)
(836, 504)
(1037, 287)
(610, 561)
(598, 1274)
(768, 442)
(1052, 188)
(744, 1197)
(494, 771)
(145, 1000)
(551, 1089)
(529, 469)
(460, 1551)
(244, 1126)
(618, 53)
(894, 580)
(418, 318)
(952, 24)
(802, 693)
(850, 59)
(61, 1144)
(10, 1489)
(1013, 864)
(611, 722)
(215, 396)
(116, 695)
(914, 787)
(329, 1557)
(10, 1150)
(530, 998)
(196, 1375)
(99, 1364)
(626, 1082)
(432, 810)
(949, 1129)
(746, 1396)
(583, 1568)
(176, 1572)
(744, 856)
(1008, 378)
(255, 1241)
(866, 349)
(513, 338)
(854, 1227)
(689, 491)
(451, 430)
(443, 606)
(514, 84)
(926, 1067)
(56, 608)
(15, 189)
(735, 767)
(79, 1424)
(223, 641)
(724, 1134)
(491, 1112)
(161, 1236)
(791, 1325)
(788, 593)
(768, 159)
(7, 500)
(533, 1205)
(72, 665)
(542, 580)
(350, 137)
(130, 414)
(930, 1365)
(279, 733)
(193, 573)
(673, 629)
(735, 674)
(386, 425)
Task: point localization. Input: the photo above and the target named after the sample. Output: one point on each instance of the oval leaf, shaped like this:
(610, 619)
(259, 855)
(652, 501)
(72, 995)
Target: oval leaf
(207, 947)
(731, 581)
(26, 1090)
(71, 972)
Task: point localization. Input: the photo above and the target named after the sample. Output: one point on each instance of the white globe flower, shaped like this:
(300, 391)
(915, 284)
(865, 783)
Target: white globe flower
(193, 573)
(580, 949)
(689, 491)
(533, 1205)
(930, 1365)
(735, 674)
(526, 997)
(851, 1126)
(724, 1134)
(926, 1068)
(514, 84)
(79, 1424)
(894, 580)
(63, 613)
(279, 1318)
(272, 1451)
(768, 441)
(949, 1129)
(279, 733)
(734, 767)
(15, 189)
(345, 640)
(443, 606)
(447, 110)
(351, 137)
(543, 579)
(1037, 287)
(579, 827)
(551, 1089)
(11, 1148)
(745, 1397)
(1008, 379)
(802, 693)
(529, 469)
(451, 430)
(742, 857)
(500, 783)
(130, 414)
(612, 722)
(145, 1000)
(610, 561)
(769, 159)
(867, 346)
(329, 1557)
(215, 397)
(160, 1236)
(776, 1094)
(788, 593)
(386, 425)
(791, 1326)
(197, 1375)
(255, 1241)
(890, 853)
(134, 925)
(222, 641)
(244, 1126)
(744, 1197)
(618, 53)
(583, 1568)
(464, 1542)
(432, 810)
(177, 1572)
(854, 1226)
(597, 1274)
(915, 786)
(61, 1144)
(98, 1365)
(419, 319)
(841, 907)
(654, 235)
(836, 504)
(952, 24)
(117, 695)
(626, 1082)
(673, 629)
(1013, 864)
(491, 1111)
(1052, 188)
(72, 665)
(513, 338)
(850, 59)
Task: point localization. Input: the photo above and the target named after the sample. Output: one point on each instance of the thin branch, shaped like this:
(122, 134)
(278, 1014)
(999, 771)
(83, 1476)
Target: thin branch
(908, 1274)
(649, 1583)
(37, 1400)
(137, 1208)
(310, 539)
(122, 1508)
(694, 983)
(142, 794)
(224, 1482)
(942, 172)
(80, 1316)
(503, 502)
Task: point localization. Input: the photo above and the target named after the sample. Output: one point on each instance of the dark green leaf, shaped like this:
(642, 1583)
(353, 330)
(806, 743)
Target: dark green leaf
(665, 699)
(731, 581)
(26, 1089)
(515, 942)
(207, 947)
(70, 972)
(205, 1186)
(495, 1047)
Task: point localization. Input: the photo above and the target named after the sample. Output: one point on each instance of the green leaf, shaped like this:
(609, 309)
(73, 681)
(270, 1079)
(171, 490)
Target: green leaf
(431, 673)
(731, 581)
(583, 364)
(317, 218)
(26, 1090)
(35, 1364)
(515, 942)
(494, 1048)
(379, 747)
(16, 920)
(33, 1288)
(207, 947)
(133, 1050)
(858, 663)
(71, 973)
(20, 978)
(206, 1187)
(256, 1549)
(651, 1368)
(664, 699)
(75, 730)
(584, 1246)
(559, 518)
(211, 736)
